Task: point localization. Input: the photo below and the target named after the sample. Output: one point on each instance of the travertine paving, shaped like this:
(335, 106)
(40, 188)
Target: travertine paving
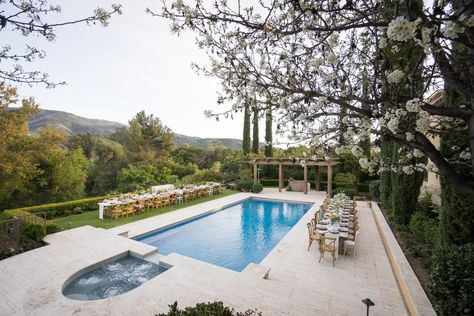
(31, 283)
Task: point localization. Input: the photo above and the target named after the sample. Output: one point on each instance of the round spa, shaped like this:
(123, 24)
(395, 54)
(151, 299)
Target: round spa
(111, 279)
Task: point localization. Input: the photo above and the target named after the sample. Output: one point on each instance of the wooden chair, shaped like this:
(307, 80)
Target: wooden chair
(316, 218)
(172, 198)
(312, 234)
(165, 201)
(327, 244)
(140, 206)
(157, 202)
(149, 203)
(129, 208)
(351, 244)
(186, 196)
(115, 211)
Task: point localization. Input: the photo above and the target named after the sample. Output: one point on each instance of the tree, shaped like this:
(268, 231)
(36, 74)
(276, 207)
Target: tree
(146, 139)
(31, 17)
(308, 60)
(69, 177)
(246, 132)
(268, 133)
(142, 177)
(255, 137)
(17, 167)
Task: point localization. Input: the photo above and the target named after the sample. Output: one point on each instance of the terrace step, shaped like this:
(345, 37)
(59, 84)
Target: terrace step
(257, 270)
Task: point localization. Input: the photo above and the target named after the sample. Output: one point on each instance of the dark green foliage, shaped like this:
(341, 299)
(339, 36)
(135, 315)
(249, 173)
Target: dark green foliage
(142, 177)
(386, 150)
(457, 220)
(272, 182)
(345, 178)
(64, 208)
(426, 206)
(33, 232)
(425, 229)
(257, 187)
(452, 280)
(244, 185)
(350, 191)
(206, 309)
(268, 133)
(255, 134)
(405, 192)
(363, 187)
(207, 175)
(246, 133)
(51, 229)
(374, 188)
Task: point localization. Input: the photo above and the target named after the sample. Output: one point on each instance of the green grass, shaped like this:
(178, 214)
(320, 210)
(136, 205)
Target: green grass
(92, 218)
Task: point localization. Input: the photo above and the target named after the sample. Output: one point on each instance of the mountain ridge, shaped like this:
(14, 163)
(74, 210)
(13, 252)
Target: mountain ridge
(74, 124)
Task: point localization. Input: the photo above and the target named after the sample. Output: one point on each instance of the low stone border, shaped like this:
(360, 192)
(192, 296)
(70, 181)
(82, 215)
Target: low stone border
(414, 296)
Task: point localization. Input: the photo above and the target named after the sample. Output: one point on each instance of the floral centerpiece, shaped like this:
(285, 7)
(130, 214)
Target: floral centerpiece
(334, 217)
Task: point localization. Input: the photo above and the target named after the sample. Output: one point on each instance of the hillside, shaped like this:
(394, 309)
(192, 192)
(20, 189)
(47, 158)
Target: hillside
(73, 124)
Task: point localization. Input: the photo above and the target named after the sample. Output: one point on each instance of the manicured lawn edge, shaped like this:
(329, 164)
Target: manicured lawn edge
(92, 218)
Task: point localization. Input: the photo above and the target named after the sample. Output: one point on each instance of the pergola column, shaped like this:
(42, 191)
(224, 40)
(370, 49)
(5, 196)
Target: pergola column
(280, 177)
(318, 178)
(329, 180)
(305, 178)
(254, 172)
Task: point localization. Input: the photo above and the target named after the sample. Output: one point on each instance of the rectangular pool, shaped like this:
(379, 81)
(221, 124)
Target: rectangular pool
(232, 238)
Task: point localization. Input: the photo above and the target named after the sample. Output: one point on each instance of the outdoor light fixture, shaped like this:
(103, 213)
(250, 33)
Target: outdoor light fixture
(367, 301)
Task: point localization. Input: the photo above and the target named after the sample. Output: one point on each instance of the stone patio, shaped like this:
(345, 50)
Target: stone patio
(31, 282)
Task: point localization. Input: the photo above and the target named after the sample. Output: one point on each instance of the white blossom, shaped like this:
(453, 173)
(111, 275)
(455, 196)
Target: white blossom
(357, 151)
(407, 169)
(364, 163)
(393, 125)
(401, 29)
(409, 136)
(395, 76)
(423, 122)
(466, 155)
(413, 105)
(452, 30)
(418, 153)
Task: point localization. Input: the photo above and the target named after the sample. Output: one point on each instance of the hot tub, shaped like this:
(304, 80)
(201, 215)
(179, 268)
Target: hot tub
(111, 279)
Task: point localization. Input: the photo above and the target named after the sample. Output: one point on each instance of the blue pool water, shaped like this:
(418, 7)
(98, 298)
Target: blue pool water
(233, 237)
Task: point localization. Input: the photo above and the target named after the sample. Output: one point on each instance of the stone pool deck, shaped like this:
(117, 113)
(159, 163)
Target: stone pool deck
(297, 284)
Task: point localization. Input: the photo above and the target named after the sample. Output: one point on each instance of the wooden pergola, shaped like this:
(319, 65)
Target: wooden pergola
(304, 162)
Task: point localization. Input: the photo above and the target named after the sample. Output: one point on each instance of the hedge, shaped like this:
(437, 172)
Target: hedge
(54, 210)
(361, 187)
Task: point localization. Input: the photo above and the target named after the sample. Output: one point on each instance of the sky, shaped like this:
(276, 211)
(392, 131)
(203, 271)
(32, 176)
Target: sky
(134, 64)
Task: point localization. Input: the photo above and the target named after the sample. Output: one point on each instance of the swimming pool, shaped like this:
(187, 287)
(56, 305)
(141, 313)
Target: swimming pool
(232, 238)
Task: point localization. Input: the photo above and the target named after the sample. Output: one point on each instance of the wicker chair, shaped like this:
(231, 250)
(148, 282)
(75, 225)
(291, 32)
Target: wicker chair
(129, 208)
(157, 202)
(173, 198)
(327, 244)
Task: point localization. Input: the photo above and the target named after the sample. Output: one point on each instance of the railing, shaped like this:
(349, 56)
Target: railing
(10, 229)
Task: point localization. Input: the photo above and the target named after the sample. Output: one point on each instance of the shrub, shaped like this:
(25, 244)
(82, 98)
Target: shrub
(350, 191)
(140, 177)
(363, 187)
(33, 232)
(206, 309)
(257, 187)
(244, 185)
(60, 209)
(52, 228)
(374, 188)
(424, 228)
(452, 277)
(345, 178)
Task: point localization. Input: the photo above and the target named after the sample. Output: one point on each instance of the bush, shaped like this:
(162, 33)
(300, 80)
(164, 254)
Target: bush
(141, 177)
(374, 189)
(257, 187)
(363, 187)
(244, 185)
(33, 232)
(60, 209)
(272, 182)
(206, 309)
(424, 228)
(452, 280)
(345, 178)
(52, 228)
(350, 191)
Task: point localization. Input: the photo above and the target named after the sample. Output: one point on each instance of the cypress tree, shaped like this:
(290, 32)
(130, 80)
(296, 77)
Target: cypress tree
(246, 133)
(255, 140)
(365, 144)
(457, 221)
(268, 133)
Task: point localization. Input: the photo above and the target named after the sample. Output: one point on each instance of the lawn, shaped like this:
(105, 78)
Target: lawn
(92, 218)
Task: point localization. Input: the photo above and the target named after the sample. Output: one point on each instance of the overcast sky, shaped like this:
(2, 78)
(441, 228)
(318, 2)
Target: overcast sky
(133, 64)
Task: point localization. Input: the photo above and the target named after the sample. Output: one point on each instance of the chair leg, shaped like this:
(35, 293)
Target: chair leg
(310, 241)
